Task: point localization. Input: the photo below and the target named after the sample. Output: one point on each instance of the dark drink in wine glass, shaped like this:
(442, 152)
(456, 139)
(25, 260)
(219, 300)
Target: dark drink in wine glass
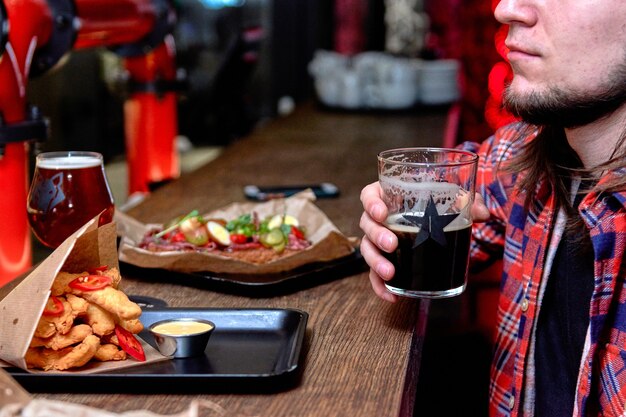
(68, 189)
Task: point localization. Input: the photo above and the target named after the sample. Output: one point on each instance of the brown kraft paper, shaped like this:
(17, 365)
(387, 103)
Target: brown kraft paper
(21, 308)
(328, 243)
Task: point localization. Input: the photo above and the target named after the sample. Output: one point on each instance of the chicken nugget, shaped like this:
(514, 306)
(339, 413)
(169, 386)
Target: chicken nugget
(110, 352)
(110, 338)
(45, 329)
(114, 274)
(101, 321)
(61, 282)
(134, 326)
(37, 357)
(64, 322)
(61, 323)
(49, 325)
(79, 305)
(37, 342)
(80, 354)
(112, 300)
(70, 357)
(60, 341)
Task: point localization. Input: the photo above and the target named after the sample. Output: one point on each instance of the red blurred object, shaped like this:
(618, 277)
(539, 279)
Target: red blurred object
(495, 113)
(150, 120)
(15, 252)
(31, 28)
(150, 116)
(349, 26)
(34, 35)
(464, 30)
(499, 76)
(113, 22)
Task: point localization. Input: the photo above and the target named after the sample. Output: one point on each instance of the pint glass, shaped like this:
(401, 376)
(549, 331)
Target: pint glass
(429, 193)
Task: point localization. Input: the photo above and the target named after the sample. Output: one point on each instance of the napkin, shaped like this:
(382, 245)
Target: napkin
(16, 402)
(50, 408)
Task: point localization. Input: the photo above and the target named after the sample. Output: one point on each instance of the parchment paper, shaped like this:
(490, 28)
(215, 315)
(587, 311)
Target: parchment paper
(328, 243)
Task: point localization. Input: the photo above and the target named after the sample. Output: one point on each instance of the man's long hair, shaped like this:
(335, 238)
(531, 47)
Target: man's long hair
(549, 158)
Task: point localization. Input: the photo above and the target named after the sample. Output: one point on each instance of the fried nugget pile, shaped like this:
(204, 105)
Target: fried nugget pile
(84, 328)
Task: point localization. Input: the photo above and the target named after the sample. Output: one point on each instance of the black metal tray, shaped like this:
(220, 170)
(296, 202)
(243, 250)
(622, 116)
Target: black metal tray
(256, 285)
(250, 350)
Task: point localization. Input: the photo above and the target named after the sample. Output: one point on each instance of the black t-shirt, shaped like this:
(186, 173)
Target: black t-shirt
(562, 325)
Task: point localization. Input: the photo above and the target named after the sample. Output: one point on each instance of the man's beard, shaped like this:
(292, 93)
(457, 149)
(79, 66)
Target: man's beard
(566, 109)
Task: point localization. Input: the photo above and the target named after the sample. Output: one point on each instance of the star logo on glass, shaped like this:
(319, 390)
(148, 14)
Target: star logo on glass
(431, 224)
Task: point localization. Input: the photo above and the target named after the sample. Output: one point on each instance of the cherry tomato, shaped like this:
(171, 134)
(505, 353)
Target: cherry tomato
(297, 232)
(94, 271)
(238, 238)
(178, 237)
(90, 282)
(130, 344)
(54, 307)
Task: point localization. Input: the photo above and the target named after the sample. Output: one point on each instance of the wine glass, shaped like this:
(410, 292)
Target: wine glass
(68, 189)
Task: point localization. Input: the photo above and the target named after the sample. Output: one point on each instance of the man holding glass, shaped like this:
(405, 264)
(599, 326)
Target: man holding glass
(551, 196)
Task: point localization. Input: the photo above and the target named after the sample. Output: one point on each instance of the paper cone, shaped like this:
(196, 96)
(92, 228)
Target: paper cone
(21, 309)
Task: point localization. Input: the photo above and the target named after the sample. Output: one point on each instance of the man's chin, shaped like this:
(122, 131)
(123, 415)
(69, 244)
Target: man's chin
(548, 105)
(527, 106)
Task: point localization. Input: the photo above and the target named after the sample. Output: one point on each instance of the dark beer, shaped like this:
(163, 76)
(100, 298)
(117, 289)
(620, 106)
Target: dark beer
(429, 269)
(66, 193)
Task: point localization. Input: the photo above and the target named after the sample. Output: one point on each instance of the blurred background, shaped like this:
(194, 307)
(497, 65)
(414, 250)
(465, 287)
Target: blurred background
(244, 61)
(239, 57)
(239, 63)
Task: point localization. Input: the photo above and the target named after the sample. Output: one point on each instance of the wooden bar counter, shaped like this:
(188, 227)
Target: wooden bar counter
(361, 355)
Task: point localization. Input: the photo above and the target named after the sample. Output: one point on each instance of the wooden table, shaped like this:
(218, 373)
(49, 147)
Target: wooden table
(361, 355)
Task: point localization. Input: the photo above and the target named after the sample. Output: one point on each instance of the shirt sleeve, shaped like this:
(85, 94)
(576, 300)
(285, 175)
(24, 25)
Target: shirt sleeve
(495, 184)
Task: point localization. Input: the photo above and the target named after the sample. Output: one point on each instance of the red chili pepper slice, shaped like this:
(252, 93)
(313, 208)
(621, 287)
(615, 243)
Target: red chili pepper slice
(297, 232)
(91, 282)
(130, 344)
(94, 271)
(54, 307)
(238, 238)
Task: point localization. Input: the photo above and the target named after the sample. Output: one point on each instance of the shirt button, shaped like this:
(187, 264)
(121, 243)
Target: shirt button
(524, 304)
(511, 402)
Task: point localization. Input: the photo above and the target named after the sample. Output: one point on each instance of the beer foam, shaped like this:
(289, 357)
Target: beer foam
(70, 162)
(397, 223)
(402, 228)
(415, 195)
(408, 186)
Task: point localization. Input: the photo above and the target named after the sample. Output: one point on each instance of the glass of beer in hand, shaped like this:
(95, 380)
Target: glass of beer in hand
(429, 194)
(68, 189)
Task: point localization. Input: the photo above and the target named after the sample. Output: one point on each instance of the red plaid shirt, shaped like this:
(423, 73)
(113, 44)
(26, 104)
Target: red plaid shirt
(526, 241)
